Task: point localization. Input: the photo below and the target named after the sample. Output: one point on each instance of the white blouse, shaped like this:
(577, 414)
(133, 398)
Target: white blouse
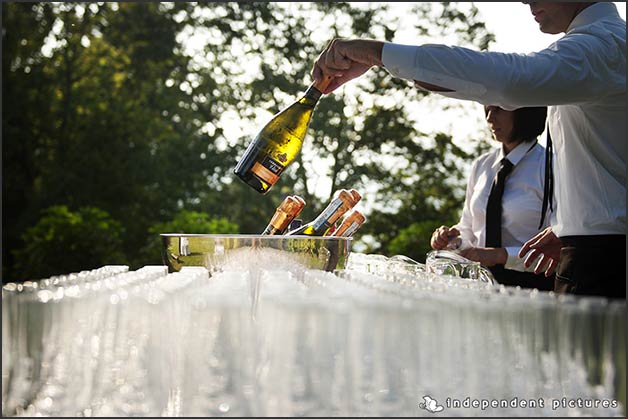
(521, 203)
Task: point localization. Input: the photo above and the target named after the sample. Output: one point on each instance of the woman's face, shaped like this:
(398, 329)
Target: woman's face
(500, 122)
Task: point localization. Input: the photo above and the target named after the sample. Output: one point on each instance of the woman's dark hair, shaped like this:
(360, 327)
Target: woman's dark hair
(528, 123)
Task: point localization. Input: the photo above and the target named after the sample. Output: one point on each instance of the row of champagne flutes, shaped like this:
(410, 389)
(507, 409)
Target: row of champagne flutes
(358, 344)
(71, 342)
(369, 340)
(521, 341)
(28, 317)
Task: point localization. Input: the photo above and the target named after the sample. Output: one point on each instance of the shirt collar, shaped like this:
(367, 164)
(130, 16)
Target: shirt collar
(593, 13)
(515, 154)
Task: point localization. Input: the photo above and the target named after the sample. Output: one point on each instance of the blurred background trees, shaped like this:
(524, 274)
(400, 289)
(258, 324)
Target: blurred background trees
(121, 121)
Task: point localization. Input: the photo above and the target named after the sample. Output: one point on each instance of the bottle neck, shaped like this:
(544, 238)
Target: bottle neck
(322, 84)
(316, 89)
(336, 209)
(311, 96)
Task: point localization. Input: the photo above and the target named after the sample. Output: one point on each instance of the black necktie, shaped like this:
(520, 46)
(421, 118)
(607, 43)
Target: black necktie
(548, 189)
(494, 206)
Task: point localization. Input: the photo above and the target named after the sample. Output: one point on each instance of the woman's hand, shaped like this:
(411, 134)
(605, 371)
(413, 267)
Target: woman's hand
(441, 237)
(487, 256)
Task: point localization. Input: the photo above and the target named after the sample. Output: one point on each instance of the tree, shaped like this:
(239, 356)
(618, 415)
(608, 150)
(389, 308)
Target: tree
(100, 119)
(26, 122)
(117, 106)
(63, 242)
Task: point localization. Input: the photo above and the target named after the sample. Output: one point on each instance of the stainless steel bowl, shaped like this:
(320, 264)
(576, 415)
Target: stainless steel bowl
(220, 252)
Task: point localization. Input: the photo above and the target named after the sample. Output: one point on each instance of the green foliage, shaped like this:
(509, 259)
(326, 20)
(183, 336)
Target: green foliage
(63, 241)
(195, 222)
(106, 106)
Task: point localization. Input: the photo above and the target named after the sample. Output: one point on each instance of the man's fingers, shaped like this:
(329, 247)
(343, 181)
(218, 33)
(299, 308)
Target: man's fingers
(535, 242)
(524, 250)
(317, 73)
(335, 63)
(552, 267)
(340, 60)
(543, 265)
(539, 266)
(528, 246)
(531, 257)
(330, 62)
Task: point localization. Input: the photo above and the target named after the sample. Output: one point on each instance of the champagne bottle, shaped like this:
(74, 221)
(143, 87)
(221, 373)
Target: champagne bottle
(356, 195)
(349, 225)
(285, 213)
(294, 224)
(279, 142)
(343, 202)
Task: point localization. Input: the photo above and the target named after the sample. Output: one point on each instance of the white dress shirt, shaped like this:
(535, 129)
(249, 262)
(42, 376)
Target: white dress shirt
(521, 202)
(582, 78)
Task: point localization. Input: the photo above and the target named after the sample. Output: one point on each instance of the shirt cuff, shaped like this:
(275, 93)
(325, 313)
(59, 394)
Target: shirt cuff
(514, 262)
(399, 60)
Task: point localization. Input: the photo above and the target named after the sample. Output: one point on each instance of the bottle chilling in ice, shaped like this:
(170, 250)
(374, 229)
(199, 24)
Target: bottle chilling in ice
(349, 224)
(287, 211)
(340, 205)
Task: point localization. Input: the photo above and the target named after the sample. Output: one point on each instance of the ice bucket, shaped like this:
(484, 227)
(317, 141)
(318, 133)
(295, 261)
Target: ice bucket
(220, 252)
